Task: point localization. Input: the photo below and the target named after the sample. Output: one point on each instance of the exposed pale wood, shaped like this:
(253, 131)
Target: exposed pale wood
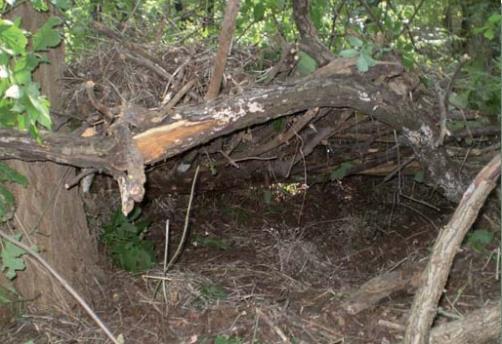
(477, 327)
(445, 248)
(381, 286)
(167, 135)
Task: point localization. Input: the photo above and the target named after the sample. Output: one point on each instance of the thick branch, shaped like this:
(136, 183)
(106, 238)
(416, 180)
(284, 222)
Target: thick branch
(66, 149)
(310, 42)
(189, 126)
(445, 249)
(227, 31)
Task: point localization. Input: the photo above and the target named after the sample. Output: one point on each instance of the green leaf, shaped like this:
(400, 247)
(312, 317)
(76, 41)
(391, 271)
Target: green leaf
(259, 11)
(12, 261)
(23, 68)
(458, 100)
(13, 37)
(6, 196)
(4, 57)
(6, 204)
(306, 64)
(355, 42)
(489, 34)
(317, 12)
(362, 64)
(419, 176)
(41, 108)
(495, 19)
(349, 53)
(10, 175)
(124, 240)
(479, 239)
(47, 37)
(279, 124)
(227, 340)
(63, 5)
(39, 5)
(341, 171)
(8, 119)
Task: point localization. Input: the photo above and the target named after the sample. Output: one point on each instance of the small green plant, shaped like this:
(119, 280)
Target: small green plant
(479, 239)
(124, 238)
(212, 292)
(12, 258)
(363, 51)
(341, 171)
(227, 340)
(10, 255)
(8, 175)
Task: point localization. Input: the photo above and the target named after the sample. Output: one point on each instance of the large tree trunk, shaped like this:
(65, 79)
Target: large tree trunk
(47, 214)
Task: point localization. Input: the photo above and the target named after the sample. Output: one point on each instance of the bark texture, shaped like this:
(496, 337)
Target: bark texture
(445, 248)
(47, 214)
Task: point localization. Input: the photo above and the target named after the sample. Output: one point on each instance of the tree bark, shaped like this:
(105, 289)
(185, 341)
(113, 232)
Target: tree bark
(47, 214)
(167, 135)
(445, 248)
(226, 35)
(310, 42)
(477, 327)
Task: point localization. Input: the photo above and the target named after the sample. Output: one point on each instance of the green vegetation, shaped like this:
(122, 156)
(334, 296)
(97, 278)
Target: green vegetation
(212, 292)
(124, 239)
(227, 340)
(11, 256)
(479, 239)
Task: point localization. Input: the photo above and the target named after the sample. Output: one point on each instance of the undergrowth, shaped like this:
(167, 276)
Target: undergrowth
(124, 239)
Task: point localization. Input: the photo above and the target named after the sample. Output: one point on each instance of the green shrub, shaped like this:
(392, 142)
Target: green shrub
(124, 238)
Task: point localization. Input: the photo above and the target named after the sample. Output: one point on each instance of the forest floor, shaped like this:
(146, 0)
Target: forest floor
(275, 265)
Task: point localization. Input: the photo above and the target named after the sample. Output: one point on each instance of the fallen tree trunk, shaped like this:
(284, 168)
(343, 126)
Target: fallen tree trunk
(159, 135)
(477, 327)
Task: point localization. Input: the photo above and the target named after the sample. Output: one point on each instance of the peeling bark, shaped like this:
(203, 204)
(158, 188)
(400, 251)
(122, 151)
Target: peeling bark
(187, 127)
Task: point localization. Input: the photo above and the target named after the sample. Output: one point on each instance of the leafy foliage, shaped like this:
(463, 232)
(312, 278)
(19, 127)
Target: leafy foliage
(11, 257)
(21, 104)
(7, 174)
(124, 238)
(363, 51)
(341, 171)
(306, 64)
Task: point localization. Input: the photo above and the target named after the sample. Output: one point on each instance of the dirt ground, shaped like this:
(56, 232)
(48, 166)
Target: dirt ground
(274, 264)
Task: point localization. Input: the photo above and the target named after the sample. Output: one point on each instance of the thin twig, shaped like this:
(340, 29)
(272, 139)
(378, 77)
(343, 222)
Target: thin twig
(270, 323)
(75, 180)
(187, 218)
(64, 283)
(166, 255)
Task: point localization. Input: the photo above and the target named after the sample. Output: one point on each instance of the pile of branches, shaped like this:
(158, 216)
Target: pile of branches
(316, 145)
